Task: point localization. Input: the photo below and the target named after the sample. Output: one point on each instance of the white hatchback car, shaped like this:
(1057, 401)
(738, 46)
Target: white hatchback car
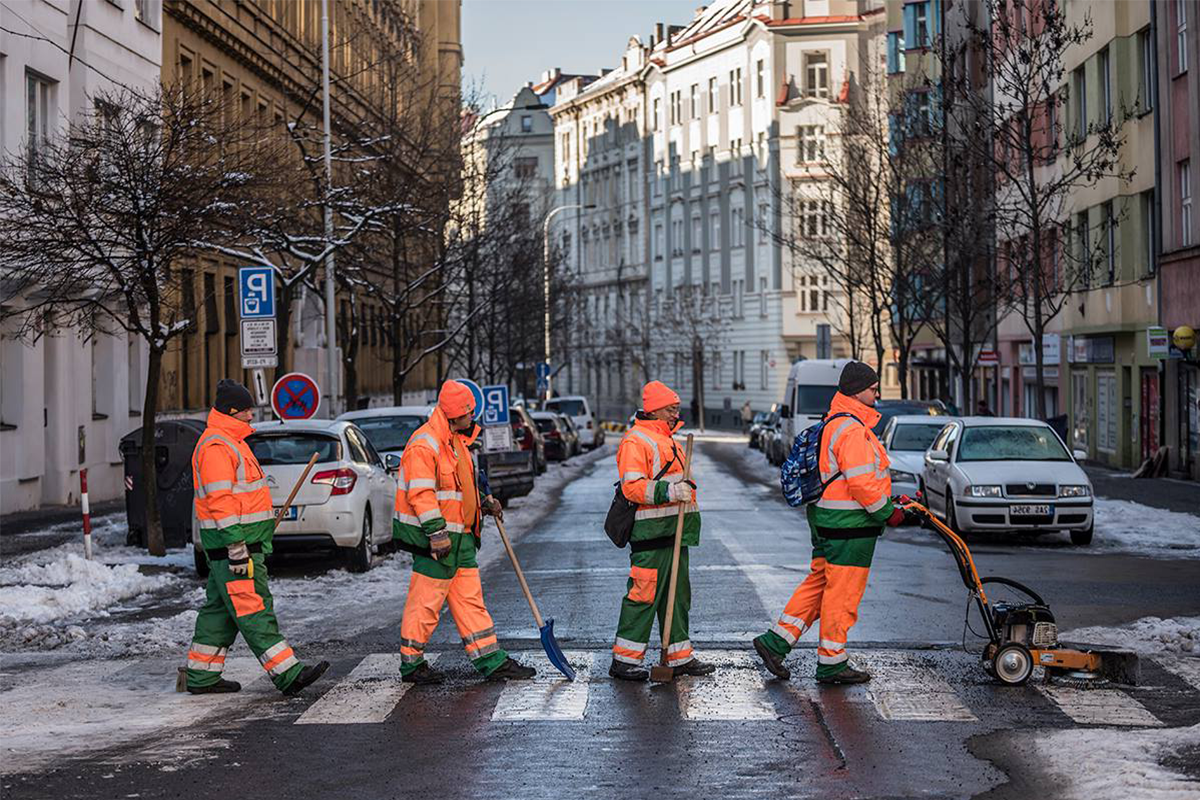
(906, 438)
(1005, 474)
(346, 501)
(389, 428)
(577, 407)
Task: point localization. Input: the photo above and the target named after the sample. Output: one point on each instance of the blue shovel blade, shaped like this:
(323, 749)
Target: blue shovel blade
(554, 652)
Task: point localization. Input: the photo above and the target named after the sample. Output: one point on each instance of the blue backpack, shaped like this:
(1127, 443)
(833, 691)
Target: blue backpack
(800, 475)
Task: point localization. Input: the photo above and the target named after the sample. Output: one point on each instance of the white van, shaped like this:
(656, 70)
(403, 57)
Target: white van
(577, 407)
(811, 385)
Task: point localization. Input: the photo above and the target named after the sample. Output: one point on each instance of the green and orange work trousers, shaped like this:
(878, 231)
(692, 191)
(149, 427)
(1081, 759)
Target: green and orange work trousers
(455, 580)
(831, 593)
(646, 598)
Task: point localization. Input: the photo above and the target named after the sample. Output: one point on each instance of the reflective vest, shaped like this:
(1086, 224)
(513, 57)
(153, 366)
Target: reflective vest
(858, 502)
(644, 450)
(435, 488)
(233, 503)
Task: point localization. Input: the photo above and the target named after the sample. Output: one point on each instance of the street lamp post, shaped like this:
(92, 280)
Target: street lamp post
(546, 277)
(330, 279)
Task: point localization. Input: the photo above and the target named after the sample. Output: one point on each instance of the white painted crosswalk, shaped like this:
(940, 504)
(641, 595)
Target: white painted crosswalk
(906, 687)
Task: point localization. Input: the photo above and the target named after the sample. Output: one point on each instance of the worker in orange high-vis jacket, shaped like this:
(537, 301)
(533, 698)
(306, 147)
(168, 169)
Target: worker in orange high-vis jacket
(437, 519)
(233, 507)
(650, 466)
(845, 524)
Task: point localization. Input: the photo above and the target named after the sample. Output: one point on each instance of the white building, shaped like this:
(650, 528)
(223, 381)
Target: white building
(65, 402)
(686, 150)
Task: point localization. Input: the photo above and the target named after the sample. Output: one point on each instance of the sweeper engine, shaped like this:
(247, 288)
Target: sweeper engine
(1030, 625)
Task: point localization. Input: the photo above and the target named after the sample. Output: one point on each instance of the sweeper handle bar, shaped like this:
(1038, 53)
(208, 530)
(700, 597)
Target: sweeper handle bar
(958, 548)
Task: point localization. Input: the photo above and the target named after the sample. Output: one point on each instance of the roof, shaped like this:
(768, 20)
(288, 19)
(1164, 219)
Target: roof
(917, 419)
(388, 411)
(319, 425)
(976, 422)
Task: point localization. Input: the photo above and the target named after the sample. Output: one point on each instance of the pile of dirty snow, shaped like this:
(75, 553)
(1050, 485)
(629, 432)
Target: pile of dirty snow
(1129, 527)
(69, 586)
(1118, 764)
(1178, 635)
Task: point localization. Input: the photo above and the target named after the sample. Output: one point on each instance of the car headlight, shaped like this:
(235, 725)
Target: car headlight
(903, 477)
(983, 491)
(1074, 491)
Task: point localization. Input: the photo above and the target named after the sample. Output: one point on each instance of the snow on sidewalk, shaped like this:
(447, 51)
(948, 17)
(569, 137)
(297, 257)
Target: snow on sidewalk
(1151, 634)
(1118, 764)
(1129, 527)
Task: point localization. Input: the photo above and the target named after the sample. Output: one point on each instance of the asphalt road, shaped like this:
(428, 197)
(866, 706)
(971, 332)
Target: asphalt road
(931, 724)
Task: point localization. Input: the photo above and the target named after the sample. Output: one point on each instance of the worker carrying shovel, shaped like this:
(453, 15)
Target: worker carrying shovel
(437, 519)
(651, 471)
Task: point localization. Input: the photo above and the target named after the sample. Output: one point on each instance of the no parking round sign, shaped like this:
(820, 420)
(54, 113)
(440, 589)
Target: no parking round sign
(295, 396)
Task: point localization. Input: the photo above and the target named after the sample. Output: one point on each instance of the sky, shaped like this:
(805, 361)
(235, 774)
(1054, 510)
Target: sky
(509, 42)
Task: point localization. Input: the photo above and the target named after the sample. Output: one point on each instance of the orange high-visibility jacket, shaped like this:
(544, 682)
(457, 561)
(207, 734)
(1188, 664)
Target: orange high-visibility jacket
(436, 489)
(233, 503)
(644, 450)
(858, 502)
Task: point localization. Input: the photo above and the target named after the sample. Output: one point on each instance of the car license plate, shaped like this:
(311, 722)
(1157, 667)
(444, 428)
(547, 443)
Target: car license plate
(1029, 511)
(293, 514)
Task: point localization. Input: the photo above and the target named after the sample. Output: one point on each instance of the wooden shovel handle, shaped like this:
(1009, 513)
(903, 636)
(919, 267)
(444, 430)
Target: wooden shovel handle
(512, 556)
(670, 618)
(295, 489)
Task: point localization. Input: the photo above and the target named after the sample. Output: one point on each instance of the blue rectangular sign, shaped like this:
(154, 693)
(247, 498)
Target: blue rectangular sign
(543, 370)
(495, 405)
(257, 292)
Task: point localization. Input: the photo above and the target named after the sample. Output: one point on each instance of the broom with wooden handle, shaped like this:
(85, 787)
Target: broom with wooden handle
(661, 673)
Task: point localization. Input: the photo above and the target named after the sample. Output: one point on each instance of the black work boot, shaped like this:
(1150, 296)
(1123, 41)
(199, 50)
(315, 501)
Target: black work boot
(307, 675)
(627, 672)
(772, 661)
(847, 676)
(424, 675)
(220, 687)
(511, 671)
(695, 667)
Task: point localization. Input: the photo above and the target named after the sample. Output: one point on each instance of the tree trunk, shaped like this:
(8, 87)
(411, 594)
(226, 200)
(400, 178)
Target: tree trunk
(698, 378)
(154, 531)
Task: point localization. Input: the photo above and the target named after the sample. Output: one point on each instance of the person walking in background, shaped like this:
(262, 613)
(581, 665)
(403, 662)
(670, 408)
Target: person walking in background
(747, 416)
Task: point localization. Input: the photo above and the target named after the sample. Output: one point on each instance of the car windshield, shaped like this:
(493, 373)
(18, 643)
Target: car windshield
(544, 425)
(887, 410)
(760, 417)
(914, 436)
(572, 408)
(389, 433)
(294, 448)
(1011, 443)
(814, 399)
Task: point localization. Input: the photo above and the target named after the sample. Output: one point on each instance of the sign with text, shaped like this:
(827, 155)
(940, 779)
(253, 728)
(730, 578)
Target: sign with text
(256, 309)
(497, 438)
(1158, 344)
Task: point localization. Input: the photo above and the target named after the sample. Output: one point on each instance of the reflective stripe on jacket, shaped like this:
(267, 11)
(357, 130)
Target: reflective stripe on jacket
(644, 450)
(435, 488)
(233, 503)
(860, 498)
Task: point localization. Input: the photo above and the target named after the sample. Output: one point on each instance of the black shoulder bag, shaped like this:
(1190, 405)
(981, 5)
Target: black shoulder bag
(618, 523)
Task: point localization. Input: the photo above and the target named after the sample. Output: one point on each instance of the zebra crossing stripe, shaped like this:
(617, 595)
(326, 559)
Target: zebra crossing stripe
(548, 697)
(905, 690)
(735, 692)
(1100, 706)
(368, 694)
(1184, 667)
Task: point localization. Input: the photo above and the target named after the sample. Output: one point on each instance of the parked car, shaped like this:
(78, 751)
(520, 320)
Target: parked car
(389, 428)
(580, 411)
(572, 433)
(553, 429)
(756, 427)
(528, 437)
(892, 408)
(346, 501)
(1007, 473)
(811, 385)
(906, 438)
(772, 439)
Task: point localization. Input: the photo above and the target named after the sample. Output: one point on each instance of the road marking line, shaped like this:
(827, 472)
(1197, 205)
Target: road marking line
(549, 697)
(905, 690)
(367, 694)
(1184, 667)
(1100, 706)
(736, 691)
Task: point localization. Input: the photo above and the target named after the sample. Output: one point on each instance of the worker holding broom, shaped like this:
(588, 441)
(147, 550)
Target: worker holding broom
(437, 519)
(651, 471)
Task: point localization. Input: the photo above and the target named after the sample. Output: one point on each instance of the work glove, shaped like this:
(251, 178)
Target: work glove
(897, 518)
(492, 506)
(239, 560)
(439, 545)
(682, 492)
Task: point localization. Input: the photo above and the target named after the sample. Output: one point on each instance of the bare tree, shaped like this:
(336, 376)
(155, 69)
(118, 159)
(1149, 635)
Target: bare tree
(100, 223)
(690, 322)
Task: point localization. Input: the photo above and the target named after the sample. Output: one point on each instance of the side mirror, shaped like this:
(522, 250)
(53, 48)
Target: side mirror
(391, 462)
(785, 412)
(937, 455)
(1080, 455)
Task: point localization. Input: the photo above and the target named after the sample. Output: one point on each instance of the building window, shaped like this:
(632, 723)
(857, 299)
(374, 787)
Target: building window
(760, 79)
(566, 147)
(737, 227)
(738, 297)
(658, 242)
(1103, 66)
(1146, 88)
(657, 114)
(1110, 243)
(917, 31)
(525, 167)
(763, 357)
(526, 123)
(697, 234)
(762, 300)
(735, 87)
(1083, 248)
(895, 52)
(695, 108)
(714, 230)
(676, 107)
(762, 223)
(1079, 87)
(1181, 33)
(1185, 203)
(38, 107)
(814, 219)
(812, 143)
(1147, 203)
(714, 361)
(816, 74)
(146, 12)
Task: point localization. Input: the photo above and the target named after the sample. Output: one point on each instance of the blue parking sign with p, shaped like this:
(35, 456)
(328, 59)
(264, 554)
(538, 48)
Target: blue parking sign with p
(495, 405)
(257, 292)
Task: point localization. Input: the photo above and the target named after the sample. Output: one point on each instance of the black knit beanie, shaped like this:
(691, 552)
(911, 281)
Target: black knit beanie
(856, 377)
(232, 397)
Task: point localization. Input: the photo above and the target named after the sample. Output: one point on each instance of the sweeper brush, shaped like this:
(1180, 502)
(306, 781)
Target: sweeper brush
(1024, 635)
